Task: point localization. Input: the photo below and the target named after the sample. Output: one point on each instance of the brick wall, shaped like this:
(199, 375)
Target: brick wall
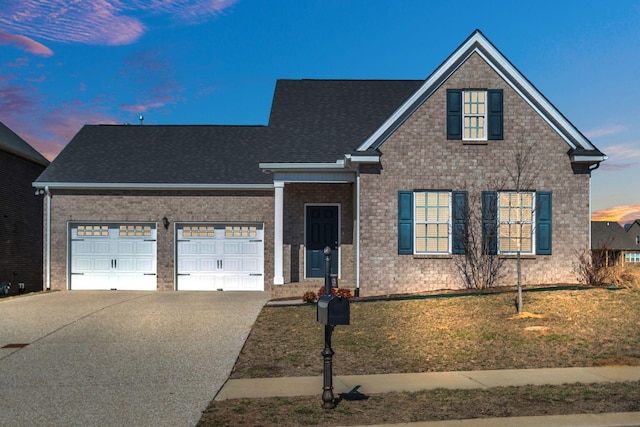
(20, 223)
(220, 206)
(418, 156)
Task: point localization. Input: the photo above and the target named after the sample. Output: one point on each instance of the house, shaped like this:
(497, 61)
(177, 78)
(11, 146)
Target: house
(388, 174)
(633, 230)
(20, 213)
(610, 238)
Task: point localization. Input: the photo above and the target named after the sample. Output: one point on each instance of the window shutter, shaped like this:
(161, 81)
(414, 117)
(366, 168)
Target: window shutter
(489, 222)
(495, 114)
(405, 222)
(459, 220)
(543, 223)
(454, 114)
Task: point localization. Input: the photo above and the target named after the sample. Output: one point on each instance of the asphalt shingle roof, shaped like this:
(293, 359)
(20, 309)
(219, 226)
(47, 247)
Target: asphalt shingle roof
(312, 121)
(610, 235)
(12, 143)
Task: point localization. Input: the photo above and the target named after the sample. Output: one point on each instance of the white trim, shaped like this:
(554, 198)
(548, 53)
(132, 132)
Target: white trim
(427, 222)
(475, 44)
(588, 159)
(315, 177)
(278, 233)
(363, 159)
(304, 267)
(148, 186)
(358, 231)
(272, 167)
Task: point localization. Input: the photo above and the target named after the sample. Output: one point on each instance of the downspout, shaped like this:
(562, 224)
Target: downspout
(48, 227)
(357, 291)
(591, 169)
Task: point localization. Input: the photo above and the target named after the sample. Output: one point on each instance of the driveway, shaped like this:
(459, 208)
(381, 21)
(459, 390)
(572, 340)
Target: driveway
(118, 358)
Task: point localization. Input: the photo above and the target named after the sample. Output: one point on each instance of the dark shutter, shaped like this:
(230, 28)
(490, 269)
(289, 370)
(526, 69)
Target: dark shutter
(543, 223)
(489, 222)
(405, 222)
(495, 114)
(454, 114)
(460, 214)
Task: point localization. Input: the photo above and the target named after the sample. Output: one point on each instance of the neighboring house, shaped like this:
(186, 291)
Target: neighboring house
(20, 213)
(633, 230)
(385, 173)
(610, 237)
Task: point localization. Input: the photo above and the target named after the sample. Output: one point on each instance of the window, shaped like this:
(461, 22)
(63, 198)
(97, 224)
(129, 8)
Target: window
(93, 230)
(632, 257)
(515, 222)
(432, 217)
(511, 221)
(474, 114)
(431, 222)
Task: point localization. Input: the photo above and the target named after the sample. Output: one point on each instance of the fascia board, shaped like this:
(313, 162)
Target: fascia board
(588, 159)
(364, 159)
(148, 186)
(340, 165)
(479, 44)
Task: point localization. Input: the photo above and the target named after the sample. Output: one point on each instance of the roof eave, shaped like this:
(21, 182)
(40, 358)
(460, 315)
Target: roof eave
(147, 186)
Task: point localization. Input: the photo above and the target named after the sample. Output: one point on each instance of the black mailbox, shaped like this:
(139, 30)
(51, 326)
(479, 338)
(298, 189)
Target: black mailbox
(333, 310)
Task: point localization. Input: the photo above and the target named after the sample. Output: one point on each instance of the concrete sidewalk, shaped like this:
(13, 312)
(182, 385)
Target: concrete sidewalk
(375, 384)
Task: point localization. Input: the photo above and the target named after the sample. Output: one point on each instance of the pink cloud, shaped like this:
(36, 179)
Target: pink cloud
(606, 131)
(100, 22)
(25, 43)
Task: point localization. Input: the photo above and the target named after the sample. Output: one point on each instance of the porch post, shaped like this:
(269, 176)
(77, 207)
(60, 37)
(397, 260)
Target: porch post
(278, 276)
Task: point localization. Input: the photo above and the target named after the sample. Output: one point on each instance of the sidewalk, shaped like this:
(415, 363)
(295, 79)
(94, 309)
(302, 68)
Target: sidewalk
(374, 384)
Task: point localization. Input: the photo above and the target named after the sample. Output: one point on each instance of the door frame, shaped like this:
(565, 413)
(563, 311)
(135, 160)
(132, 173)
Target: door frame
(304, 267)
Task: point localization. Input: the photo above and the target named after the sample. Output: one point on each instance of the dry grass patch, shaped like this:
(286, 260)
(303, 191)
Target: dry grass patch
(452, 333)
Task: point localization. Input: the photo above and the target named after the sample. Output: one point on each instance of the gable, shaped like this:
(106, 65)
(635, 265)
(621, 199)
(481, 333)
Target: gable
(12, 143)
(582, 150)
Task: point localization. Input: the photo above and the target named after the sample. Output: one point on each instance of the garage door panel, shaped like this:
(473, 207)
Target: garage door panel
(113, 257)
(227, 257)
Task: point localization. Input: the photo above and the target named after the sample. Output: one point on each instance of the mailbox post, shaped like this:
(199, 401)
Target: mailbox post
(332, 310)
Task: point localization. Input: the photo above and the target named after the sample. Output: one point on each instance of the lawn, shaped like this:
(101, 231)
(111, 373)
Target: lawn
(559, 328)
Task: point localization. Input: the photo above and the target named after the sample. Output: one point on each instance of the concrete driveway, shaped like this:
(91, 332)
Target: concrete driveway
(118, 358)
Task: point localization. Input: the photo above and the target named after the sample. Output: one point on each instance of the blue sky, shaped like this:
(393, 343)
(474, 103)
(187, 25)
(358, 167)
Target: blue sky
(64, 64)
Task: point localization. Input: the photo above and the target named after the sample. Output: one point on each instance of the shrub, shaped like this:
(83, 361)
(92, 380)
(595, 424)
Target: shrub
(343, 292)
(309, 297)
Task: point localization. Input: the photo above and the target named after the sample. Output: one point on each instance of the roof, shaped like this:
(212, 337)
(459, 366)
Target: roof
(582, 150)
(12, 143)
(332, 116)
(610, 235)
(148, 154)
(322, 120)
(313, 124)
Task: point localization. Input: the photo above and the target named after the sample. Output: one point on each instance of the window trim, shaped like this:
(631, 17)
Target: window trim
(426, 222)
(532, 222)
(484, 115)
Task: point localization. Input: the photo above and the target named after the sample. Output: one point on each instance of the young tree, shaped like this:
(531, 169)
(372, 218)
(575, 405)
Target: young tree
(522, 175)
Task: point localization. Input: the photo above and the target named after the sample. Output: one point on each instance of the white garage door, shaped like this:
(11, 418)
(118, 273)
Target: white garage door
(228, 257)
(113, 256)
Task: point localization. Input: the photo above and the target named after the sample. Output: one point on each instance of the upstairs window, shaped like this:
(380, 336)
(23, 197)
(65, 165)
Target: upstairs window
(474, 115)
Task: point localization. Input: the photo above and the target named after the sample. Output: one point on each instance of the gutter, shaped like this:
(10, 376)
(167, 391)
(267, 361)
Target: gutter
(148, 186)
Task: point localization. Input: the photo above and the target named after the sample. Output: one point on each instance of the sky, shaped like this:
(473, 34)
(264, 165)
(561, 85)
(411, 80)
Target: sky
(64, 64)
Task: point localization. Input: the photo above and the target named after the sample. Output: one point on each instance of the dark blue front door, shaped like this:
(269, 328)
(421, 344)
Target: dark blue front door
(321, 231)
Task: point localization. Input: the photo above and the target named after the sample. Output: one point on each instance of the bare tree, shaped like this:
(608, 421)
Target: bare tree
(479, 267)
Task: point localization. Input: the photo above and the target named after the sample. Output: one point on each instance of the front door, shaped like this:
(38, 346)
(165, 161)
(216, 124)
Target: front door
(321, 231)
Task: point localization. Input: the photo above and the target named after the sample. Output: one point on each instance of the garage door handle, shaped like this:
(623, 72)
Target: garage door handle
(255, 274)
(184, 274)
(77, 274)
(149, 274)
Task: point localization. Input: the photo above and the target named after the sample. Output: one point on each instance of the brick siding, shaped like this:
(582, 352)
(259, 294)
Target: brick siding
(418, 156)
(20, 223)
